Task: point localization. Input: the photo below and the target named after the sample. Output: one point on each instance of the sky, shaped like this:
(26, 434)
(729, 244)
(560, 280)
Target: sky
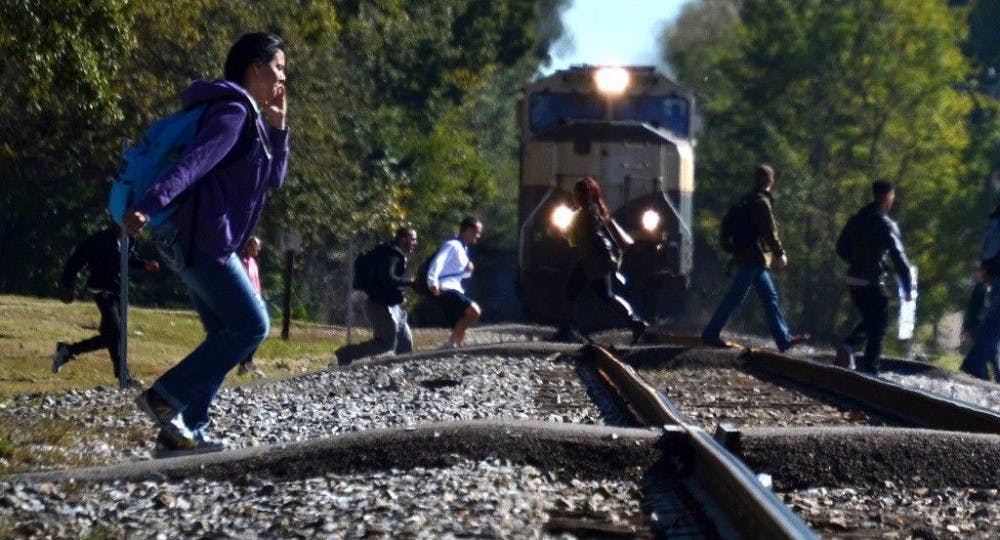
(622, 32)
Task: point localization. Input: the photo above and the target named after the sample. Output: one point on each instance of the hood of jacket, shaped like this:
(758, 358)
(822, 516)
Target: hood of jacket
(207, 91)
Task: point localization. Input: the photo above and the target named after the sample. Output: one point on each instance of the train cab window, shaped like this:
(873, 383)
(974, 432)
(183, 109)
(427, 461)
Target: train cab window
(549, 109)
(670, 112)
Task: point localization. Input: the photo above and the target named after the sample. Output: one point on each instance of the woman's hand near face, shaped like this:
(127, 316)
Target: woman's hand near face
(276, 109)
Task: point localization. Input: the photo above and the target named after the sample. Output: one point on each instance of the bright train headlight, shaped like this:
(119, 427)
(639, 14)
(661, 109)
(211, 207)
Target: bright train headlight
(650, 220)
(611, 80)
(561, 217)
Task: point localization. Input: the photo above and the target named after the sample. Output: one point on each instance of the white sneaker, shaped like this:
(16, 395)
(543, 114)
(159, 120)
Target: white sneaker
(60, 357)
(448, 345)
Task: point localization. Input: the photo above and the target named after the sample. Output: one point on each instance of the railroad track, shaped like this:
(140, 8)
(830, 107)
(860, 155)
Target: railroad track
(534, 440)
(852, 454)
(564, 437)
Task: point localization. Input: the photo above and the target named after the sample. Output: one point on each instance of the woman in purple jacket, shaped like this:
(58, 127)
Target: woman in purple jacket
(221, 183)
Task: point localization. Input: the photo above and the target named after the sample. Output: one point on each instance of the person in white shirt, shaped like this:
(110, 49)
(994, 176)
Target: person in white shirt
(444, 280)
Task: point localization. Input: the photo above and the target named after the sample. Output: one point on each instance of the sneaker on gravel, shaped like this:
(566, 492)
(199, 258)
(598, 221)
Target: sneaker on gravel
(448, 345)
(176, 436)
(157, 408)
(134, 384)
(167, 447)
(796, 340)
(250, 369)
(60, 357)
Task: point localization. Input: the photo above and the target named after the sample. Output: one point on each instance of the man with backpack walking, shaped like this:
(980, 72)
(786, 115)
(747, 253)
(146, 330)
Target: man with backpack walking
(750, 234)
(445, 272)
(99, 253)
(867, 238)
(382, 276)
(987, 332)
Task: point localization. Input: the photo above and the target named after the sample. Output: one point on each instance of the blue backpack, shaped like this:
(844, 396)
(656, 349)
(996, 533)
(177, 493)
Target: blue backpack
(147, 161)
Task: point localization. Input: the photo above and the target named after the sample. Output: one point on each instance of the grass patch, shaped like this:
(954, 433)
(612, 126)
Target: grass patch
(158, 339)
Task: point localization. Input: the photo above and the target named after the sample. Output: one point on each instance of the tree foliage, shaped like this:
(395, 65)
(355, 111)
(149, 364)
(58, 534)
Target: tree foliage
(401, 112)
(836, 95)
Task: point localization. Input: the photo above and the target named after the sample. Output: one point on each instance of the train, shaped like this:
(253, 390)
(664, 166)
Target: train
(632, 128)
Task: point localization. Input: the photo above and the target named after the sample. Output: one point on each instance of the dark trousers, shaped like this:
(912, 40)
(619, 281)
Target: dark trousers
(601, 286)
(873, 304)
(110, 330)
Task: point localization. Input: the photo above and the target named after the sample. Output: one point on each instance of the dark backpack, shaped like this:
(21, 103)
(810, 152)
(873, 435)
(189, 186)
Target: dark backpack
(420, 281)
(736, 232)
(365, 271)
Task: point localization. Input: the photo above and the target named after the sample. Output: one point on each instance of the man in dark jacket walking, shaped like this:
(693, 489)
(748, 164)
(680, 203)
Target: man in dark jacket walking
(99, 253)
(987, 331)
(752, 263)
(867, 240)
(390, 331)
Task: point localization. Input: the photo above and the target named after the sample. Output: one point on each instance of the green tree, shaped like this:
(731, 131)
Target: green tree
(402, 112)
(835, 95)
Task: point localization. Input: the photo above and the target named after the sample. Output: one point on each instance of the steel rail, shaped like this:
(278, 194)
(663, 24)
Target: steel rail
(913, 406)
(753, 510)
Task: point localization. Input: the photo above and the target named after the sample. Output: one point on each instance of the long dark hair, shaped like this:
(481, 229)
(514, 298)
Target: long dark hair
(588, 192)
(248, 50)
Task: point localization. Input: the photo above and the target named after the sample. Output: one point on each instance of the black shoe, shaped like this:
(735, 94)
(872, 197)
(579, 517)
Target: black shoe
(715, 342)
(167, 446)
(157, 408)
(565, 335)
(795, 341)
(845, 356)
(342, 360)
(61, 356)
(132, 383)
(639, 328)
(866, 367)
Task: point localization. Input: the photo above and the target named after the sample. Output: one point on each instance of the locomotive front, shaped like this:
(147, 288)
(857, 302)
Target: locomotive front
(630, 128)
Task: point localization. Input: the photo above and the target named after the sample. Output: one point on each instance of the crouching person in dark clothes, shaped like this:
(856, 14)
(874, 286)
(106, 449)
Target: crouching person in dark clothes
(867, 238)
(99, 253)
(987, 329)
(390, 331)
(594, 236)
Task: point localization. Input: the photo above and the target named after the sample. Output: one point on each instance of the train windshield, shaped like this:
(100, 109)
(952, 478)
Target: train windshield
(670, 112)
(549, 109)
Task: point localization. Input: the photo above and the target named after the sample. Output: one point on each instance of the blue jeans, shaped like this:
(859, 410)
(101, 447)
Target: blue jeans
(759, 277)
(234, 319)
(984, 349)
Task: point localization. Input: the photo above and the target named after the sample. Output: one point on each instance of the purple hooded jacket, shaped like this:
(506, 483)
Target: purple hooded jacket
(228, 169)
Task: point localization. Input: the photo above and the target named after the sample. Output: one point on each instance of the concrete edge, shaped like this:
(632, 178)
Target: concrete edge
(588, 450)
(871, 456)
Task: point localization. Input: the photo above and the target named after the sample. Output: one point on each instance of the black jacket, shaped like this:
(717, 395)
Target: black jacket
(99, 253)
(989, 255)
(599, 253)
(867, 240)
(389, 263)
